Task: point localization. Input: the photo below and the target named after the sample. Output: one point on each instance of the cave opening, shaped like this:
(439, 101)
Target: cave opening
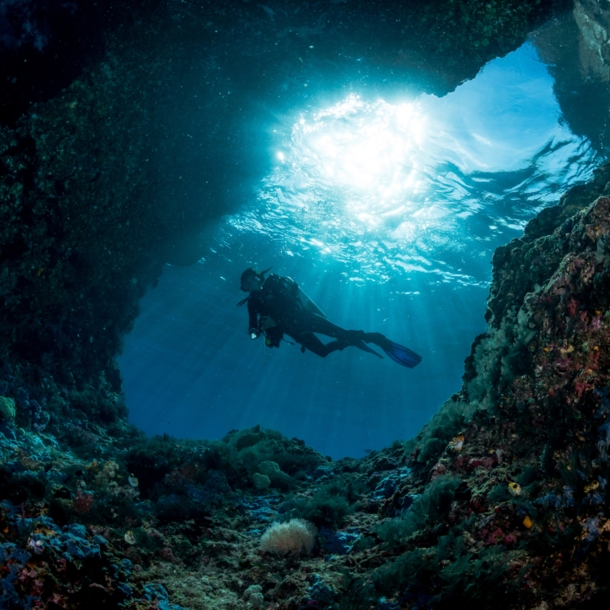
(387, 211)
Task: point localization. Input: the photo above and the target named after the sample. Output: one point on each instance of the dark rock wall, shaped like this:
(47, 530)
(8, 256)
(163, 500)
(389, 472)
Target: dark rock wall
(575, 47)
(44, 46)
(77, 228)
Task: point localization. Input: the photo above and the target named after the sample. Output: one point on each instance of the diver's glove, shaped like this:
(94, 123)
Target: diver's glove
(267, 322)
(254, 333)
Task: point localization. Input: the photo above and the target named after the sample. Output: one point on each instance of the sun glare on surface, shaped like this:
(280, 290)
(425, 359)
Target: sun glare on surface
(363, 145)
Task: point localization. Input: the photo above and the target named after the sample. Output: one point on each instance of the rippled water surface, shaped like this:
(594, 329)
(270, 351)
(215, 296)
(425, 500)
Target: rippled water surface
(425, 185)
(387, 213)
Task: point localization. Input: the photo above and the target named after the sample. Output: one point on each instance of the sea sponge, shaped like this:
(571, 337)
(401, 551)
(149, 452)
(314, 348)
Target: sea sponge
(296, 536)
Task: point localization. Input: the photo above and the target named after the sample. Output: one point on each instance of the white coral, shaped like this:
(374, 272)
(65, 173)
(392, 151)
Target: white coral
(295, 536)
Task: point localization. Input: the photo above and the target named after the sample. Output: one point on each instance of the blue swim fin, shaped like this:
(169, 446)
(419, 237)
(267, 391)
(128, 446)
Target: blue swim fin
(402, 355)
(399, 353)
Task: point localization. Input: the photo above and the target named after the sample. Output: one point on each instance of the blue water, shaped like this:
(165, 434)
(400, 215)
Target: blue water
(387, 213)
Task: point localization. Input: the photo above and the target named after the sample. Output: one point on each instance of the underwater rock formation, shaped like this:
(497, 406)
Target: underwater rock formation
(524, 480)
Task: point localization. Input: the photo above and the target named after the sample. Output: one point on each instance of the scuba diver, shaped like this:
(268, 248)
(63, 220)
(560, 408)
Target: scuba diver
(277, 306)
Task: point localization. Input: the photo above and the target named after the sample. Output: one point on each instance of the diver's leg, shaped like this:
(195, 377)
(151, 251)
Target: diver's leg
(318, 324)
(302, 328)
(309, 341)
(321, 325)
(345, 338)
(378, 339)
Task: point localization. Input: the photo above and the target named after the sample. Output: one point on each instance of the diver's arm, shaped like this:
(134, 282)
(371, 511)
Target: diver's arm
(253, 326)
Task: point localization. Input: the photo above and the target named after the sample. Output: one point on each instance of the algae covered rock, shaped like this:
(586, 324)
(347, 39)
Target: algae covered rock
(7, 409)
(261, 481)
(270, 469)
(530, 260)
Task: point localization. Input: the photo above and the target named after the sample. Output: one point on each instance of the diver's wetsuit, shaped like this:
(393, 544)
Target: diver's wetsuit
(278, 299)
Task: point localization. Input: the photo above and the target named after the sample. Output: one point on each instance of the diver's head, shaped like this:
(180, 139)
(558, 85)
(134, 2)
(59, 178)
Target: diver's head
(252, 280)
